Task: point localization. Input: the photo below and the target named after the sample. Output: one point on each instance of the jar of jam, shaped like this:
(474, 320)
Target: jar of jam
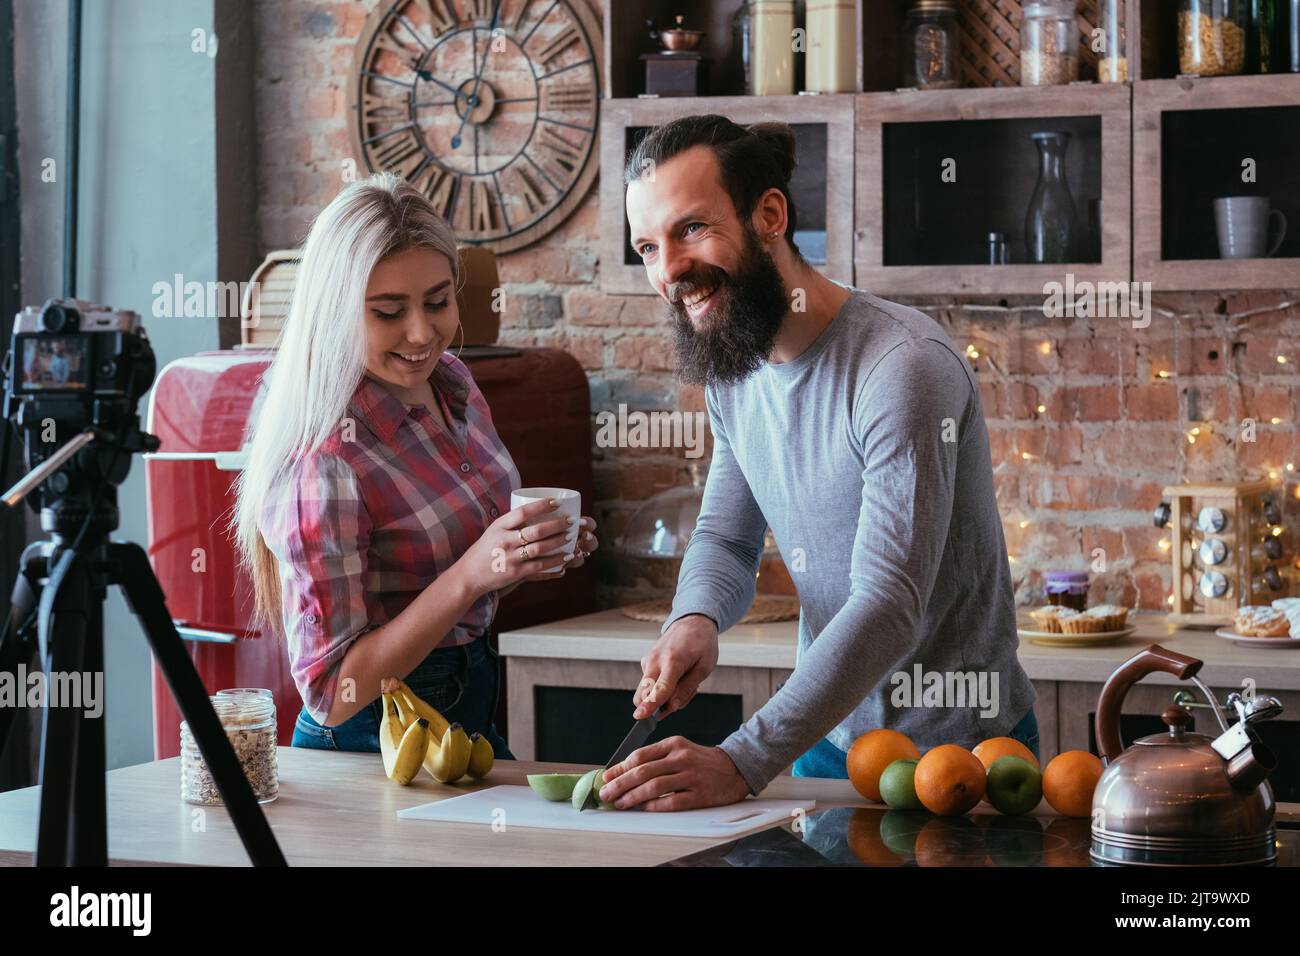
(1068, 589)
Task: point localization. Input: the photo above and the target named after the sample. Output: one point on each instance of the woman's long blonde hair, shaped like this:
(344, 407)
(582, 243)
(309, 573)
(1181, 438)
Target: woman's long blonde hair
(321, 350)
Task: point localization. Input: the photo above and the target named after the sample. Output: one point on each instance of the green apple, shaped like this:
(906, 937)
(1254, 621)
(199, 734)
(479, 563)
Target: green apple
(554, 786)
(898, 786)
(1015, 786)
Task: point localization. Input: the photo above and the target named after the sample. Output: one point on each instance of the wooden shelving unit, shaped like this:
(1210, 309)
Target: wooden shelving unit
(915, 249)
(1115, 155)
(1190, 140)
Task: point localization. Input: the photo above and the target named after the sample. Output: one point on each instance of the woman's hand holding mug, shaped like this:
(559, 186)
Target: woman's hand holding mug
(521, 544)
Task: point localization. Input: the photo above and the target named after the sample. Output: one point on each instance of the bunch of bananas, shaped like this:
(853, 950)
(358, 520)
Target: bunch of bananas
(413, 734)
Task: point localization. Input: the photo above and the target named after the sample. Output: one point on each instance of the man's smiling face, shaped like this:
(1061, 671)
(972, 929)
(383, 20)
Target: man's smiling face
(723, 288)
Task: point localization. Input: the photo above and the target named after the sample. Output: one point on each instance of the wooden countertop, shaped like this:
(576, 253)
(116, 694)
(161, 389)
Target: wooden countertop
(612, 636)
(338, 809)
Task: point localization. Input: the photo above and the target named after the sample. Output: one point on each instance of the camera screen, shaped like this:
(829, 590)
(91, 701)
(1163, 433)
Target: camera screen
(53, 363)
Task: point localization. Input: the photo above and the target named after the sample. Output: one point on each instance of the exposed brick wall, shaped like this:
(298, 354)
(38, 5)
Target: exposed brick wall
(1111, 435)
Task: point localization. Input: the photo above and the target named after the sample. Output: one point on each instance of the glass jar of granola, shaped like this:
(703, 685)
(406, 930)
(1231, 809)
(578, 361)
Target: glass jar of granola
(1211, 37)
(1049, 43)
(248, 717)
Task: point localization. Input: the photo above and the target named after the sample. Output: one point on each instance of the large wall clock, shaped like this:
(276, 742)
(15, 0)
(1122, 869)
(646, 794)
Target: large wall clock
(490, 107)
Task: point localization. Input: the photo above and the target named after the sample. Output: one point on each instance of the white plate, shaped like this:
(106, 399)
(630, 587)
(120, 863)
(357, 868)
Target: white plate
(1054, 639)
(1228, 634)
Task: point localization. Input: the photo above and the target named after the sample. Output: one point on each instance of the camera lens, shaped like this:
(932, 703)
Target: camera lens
(57, 317)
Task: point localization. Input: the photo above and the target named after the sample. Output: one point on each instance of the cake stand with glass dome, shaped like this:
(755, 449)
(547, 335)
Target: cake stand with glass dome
(659, 531)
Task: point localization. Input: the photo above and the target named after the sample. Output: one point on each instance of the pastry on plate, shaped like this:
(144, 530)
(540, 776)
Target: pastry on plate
(1049, 616)
(1291, 608)
(1085, 623)
(1113, 617)
(1260, 620)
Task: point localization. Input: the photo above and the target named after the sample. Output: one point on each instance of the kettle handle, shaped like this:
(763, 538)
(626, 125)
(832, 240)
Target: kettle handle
(1148, 661)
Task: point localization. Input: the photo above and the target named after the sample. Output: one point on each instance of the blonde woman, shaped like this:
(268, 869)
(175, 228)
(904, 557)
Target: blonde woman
(374, 512)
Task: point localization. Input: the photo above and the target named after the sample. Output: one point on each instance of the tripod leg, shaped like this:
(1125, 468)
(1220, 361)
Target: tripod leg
(89, 837)
(146, 598)
(15, 648)
(64, 626)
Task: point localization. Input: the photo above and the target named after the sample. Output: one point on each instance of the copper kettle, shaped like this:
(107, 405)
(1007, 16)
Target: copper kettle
(1182, 798)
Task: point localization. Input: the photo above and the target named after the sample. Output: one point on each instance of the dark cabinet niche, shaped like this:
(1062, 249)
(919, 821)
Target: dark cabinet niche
(928, 221)
(585, 725)
(1201, 155)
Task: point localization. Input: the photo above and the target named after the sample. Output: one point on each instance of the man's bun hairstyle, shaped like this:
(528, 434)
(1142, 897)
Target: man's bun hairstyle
(752, 159)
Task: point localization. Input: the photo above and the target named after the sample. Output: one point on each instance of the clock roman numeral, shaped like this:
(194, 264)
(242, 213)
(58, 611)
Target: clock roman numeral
(481, 204)
(480, 9)
(437, 185)
(386, 41)
(568, 96)
(384, 109)
(519, 17)
(559, 43)
(528, 189)
(560, 158)
(435, 11)
(401, 154)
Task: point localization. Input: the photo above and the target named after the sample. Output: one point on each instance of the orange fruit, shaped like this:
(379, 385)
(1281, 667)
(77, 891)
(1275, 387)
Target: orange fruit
(871, 754)
(995, 747)
(950, 780)
(1069, 780)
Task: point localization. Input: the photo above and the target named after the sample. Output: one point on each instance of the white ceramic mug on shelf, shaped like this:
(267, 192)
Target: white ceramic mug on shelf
(570, 505)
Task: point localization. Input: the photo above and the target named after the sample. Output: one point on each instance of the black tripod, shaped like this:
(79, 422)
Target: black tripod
(60, 591)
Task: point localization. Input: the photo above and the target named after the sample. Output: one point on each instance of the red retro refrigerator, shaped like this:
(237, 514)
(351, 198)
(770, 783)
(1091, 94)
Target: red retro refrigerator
(199, 408)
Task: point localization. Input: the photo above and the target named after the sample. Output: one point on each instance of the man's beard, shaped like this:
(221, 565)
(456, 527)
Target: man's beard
(748, 308)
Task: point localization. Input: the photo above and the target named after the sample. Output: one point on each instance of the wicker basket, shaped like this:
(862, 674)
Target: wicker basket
(263, 314)
(990, 41)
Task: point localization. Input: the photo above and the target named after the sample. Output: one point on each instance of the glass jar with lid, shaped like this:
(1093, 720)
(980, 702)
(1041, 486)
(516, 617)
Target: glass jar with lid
(1112, 58)
(248, 717)
(1049, 43)
(1211, 37)
(930, 39)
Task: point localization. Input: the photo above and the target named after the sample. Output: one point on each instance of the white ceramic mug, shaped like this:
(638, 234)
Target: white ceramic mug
(570, 504)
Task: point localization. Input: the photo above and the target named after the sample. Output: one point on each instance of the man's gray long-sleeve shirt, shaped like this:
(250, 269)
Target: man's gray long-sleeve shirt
(869, 458)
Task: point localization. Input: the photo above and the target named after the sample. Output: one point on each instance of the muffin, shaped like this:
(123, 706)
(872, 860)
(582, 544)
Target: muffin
(1260, 620)
(1049, 617)
(1084, 623)
(1113, 617)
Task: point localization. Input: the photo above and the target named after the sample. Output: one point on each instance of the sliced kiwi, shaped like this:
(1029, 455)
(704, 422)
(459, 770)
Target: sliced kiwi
(554, 786)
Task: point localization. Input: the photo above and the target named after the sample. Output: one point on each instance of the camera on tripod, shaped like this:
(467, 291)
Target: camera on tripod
(76, 366)
(76, 372)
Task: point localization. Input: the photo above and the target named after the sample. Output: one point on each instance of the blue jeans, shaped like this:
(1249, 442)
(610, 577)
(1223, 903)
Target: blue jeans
(827, 760)
(462, 683)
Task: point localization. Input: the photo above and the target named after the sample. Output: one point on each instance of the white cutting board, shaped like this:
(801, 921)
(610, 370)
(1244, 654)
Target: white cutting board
(523, 808)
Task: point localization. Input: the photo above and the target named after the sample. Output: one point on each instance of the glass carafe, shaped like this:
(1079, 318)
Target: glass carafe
(1050, 226)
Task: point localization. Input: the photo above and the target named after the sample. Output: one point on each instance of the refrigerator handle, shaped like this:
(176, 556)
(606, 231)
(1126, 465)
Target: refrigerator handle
(224, 460)
(211, 635)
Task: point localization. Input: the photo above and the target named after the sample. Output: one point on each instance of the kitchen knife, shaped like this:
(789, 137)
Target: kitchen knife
(637, 737)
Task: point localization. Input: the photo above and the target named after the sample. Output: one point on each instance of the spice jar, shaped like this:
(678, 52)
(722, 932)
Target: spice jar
(1211, 37)
(1112, 64)
(248, 717)
(1049, 44)
(930, 45)
(1068, 589)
